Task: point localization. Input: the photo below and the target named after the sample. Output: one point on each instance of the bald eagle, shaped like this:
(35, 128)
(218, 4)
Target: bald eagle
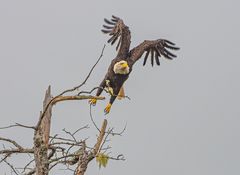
(121, 66)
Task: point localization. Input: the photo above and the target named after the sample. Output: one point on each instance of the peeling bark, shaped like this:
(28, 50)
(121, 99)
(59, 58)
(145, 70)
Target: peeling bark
(41, 137)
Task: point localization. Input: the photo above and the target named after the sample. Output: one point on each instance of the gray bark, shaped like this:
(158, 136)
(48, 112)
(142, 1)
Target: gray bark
(41, 137)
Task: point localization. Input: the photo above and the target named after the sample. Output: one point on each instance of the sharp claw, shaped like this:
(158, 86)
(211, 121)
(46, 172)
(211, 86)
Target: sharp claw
(108, 108)
(92, 102)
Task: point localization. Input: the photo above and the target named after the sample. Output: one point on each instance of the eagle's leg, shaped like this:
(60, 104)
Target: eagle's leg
(108, 108)
(99, 91)
(112, 99)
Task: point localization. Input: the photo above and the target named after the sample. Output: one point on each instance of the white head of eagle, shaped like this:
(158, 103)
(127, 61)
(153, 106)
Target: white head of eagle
(121, 67)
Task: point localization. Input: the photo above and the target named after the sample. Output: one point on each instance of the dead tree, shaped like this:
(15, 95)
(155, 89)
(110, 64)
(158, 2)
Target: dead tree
(49, 151)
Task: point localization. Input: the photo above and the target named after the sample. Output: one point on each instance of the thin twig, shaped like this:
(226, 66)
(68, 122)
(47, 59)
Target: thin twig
(84, 127)
(119, 157)
(31, 172)
(60, 138)
(69, 133)
(18, 125)
(5, 157)
(91, 91)
(62, 157)
(119, 133)
(51, 154)
(66, 143)
(26, 166)
(105, 139)
(90, 112)
(15, 171)
(13, 142)
(105, 90)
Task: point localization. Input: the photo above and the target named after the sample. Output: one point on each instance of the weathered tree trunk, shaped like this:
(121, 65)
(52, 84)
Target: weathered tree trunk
(41, 137)
(85, 158)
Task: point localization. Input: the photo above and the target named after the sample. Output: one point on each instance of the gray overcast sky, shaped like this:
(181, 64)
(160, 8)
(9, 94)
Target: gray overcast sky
(183, 117)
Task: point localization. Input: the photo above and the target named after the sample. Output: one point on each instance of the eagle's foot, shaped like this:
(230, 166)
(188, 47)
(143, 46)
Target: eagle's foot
(92, 102)
(107, 109)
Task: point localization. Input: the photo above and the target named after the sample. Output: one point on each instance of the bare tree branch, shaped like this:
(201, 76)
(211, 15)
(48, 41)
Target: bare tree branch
(100, 137)
(105, 139)
(69, 133)
(12, 151)
(119, 157)
(11, 166)
(18, 125)
(13, 142)
(5, 157)
(84, 127)
(78, 97)
(107, 91)
(70, 90)
(60, 138)
(86, 158)
(60, 150)
(26, 166)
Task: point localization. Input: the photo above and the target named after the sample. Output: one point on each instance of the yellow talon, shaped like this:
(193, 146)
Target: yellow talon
(92, 102)
(107, 109)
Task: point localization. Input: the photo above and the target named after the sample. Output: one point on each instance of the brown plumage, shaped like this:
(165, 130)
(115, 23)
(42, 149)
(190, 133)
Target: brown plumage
(121, 66)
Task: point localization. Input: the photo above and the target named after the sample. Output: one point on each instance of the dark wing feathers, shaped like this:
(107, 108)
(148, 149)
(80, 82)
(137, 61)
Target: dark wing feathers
(115, 19)
(157, 48)
(152, 56)
(118, 31)
(118, 44)
(170, 54)
(109, 22)
(106, 31)
(171, 47)
(156, 57)
(169, 42)
(113, 38)
(108, 27)
(146, 56)
(113, 30)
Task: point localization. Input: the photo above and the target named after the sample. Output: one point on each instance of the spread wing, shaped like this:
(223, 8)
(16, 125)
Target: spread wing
(157, 48)
(117, 30)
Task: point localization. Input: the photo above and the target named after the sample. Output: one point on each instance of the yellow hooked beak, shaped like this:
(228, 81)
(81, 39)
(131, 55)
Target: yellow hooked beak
(124, 65)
